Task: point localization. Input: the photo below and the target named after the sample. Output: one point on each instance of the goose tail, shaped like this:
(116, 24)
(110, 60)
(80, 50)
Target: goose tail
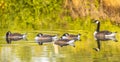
(71, 42)
(25, 36)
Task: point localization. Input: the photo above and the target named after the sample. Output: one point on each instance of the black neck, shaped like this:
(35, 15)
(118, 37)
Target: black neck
(98, 27)
(7, 34)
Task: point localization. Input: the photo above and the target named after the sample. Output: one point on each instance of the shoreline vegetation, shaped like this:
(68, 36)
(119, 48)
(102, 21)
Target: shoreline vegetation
(57, 14)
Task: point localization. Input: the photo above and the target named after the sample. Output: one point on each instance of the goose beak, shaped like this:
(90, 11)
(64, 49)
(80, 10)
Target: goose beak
(79, 34)
(94, 20)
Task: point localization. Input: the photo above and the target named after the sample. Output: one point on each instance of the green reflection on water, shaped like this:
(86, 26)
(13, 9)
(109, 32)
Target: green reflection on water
(29, 51)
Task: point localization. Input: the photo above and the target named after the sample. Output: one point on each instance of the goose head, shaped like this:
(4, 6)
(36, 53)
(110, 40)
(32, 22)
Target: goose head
(39, 34)
(8, 33)
(96, 21)
(8, 40)
(64, 36)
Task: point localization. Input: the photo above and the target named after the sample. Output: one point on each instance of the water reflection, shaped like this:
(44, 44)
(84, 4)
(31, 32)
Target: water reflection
(45, 53)
(8, 55)
(101, 38)
(50, 52)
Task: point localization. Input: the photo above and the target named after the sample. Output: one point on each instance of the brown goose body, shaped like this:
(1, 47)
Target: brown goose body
(14, 36)
(71, 36)
(40, 38)
(65, 42)
(101, 35)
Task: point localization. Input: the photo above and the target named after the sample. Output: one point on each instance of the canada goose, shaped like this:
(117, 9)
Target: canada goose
(64, 42)
(71, 36)
(40, 38)
(102, 35)
(14, 37)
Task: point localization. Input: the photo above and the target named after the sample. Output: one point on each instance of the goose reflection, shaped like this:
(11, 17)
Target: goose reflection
(103, 40)
(14, 37)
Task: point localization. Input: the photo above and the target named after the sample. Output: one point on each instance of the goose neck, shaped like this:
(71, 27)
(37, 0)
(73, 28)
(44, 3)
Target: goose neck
(98, 27)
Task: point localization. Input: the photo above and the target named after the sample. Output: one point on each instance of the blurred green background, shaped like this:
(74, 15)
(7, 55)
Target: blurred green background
(56, 14)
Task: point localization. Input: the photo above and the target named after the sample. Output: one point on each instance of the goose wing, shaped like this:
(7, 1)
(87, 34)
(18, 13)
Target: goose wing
(64, 40)
(44, 39)
(16, 34)
(101, 34)
(48, 35)
(105, 32)
(73, 35)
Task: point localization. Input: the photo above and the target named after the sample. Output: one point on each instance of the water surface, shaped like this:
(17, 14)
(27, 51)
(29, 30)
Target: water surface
(30, 51)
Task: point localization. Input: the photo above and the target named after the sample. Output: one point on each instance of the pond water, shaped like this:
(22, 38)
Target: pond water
(30, 51)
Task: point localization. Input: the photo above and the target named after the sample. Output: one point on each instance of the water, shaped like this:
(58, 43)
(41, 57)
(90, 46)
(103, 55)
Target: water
(29, 51)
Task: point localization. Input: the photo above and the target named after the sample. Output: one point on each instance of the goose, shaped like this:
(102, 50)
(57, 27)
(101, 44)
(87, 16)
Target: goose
(14, 37)
(71, 36)
(40, 38)
(103, 35)
(64, 42)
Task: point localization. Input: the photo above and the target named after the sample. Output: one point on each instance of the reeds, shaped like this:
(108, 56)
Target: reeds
(96, 9)
(57, 14)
